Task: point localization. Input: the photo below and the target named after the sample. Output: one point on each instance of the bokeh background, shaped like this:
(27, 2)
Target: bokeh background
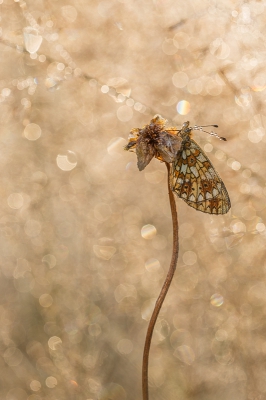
(86, 238)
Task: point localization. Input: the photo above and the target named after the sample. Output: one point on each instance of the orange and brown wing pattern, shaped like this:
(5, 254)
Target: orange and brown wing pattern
(194, 179)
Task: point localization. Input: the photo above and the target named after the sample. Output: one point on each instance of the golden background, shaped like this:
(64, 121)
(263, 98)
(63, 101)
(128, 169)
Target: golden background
(86, 238)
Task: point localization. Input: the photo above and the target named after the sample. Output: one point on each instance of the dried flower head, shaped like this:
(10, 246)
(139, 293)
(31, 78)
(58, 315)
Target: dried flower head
(154, 140)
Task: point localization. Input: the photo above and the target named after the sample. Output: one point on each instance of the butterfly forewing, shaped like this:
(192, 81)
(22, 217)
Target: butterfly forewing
(194, 179)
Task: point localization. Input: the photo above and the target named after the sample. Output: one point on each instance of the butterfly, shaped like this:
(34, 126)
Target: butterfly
(194, 179)
(192, 175)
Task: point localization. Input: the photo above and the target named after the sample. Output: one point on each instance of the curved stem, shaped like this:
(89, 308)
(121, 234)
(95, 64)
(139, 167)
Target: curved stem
(166, 285)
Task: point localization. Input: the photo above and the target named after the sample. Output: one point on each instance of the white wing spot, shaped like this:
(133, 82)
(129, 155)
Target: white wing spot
(195, 171)
(183, 168)
(208, 195)
(212, 172)
(201, 157)
(185, 154)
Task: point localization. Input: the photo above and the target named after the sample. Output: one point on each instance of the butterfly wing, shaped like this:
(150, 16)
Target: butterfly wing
(194, 179)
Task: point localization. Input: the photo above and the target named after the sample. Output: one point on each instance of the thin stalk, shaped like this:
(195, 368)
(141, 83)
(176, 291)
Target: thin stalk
(166, 285)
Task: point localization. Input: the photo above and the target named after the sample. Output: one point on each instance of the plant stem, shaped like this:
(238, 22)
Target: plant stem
(166, 285)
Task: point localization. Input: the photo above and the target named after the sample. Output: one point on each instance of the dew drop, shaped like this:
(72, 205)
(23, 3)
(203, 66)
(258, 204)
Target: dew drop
(105, 89)
(148, 231)
(185, 354)
(217, 300)
(208, 147)
(125, 346)
(35, 386)
(183, 107)
(32, 39)
(32, 131)
(67, 161)
(54, 342)
(45, 300)
(51, 382)
(152, 265)
(124, 113)
(15, 200)
(104, 252)
(116, 146)
(180, 79)
(189, 257)
(50, 260)
(69, 13)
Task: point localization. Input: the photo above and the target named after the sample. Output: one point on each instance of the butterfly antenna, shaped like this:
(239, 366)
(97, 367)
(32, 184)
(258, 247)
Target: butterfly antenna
(200, 128)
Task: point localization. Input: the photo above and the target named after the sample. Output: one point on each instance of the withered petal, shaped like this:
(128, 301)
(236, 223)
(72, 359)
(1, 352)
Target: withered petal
(144, 152)
(131, 146)
(158, 120)
(168, 146)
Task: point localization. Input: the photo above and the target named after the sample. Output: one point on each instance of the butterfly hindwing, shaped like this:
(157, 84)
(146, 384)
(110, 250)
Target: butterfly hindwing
(194, 179)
